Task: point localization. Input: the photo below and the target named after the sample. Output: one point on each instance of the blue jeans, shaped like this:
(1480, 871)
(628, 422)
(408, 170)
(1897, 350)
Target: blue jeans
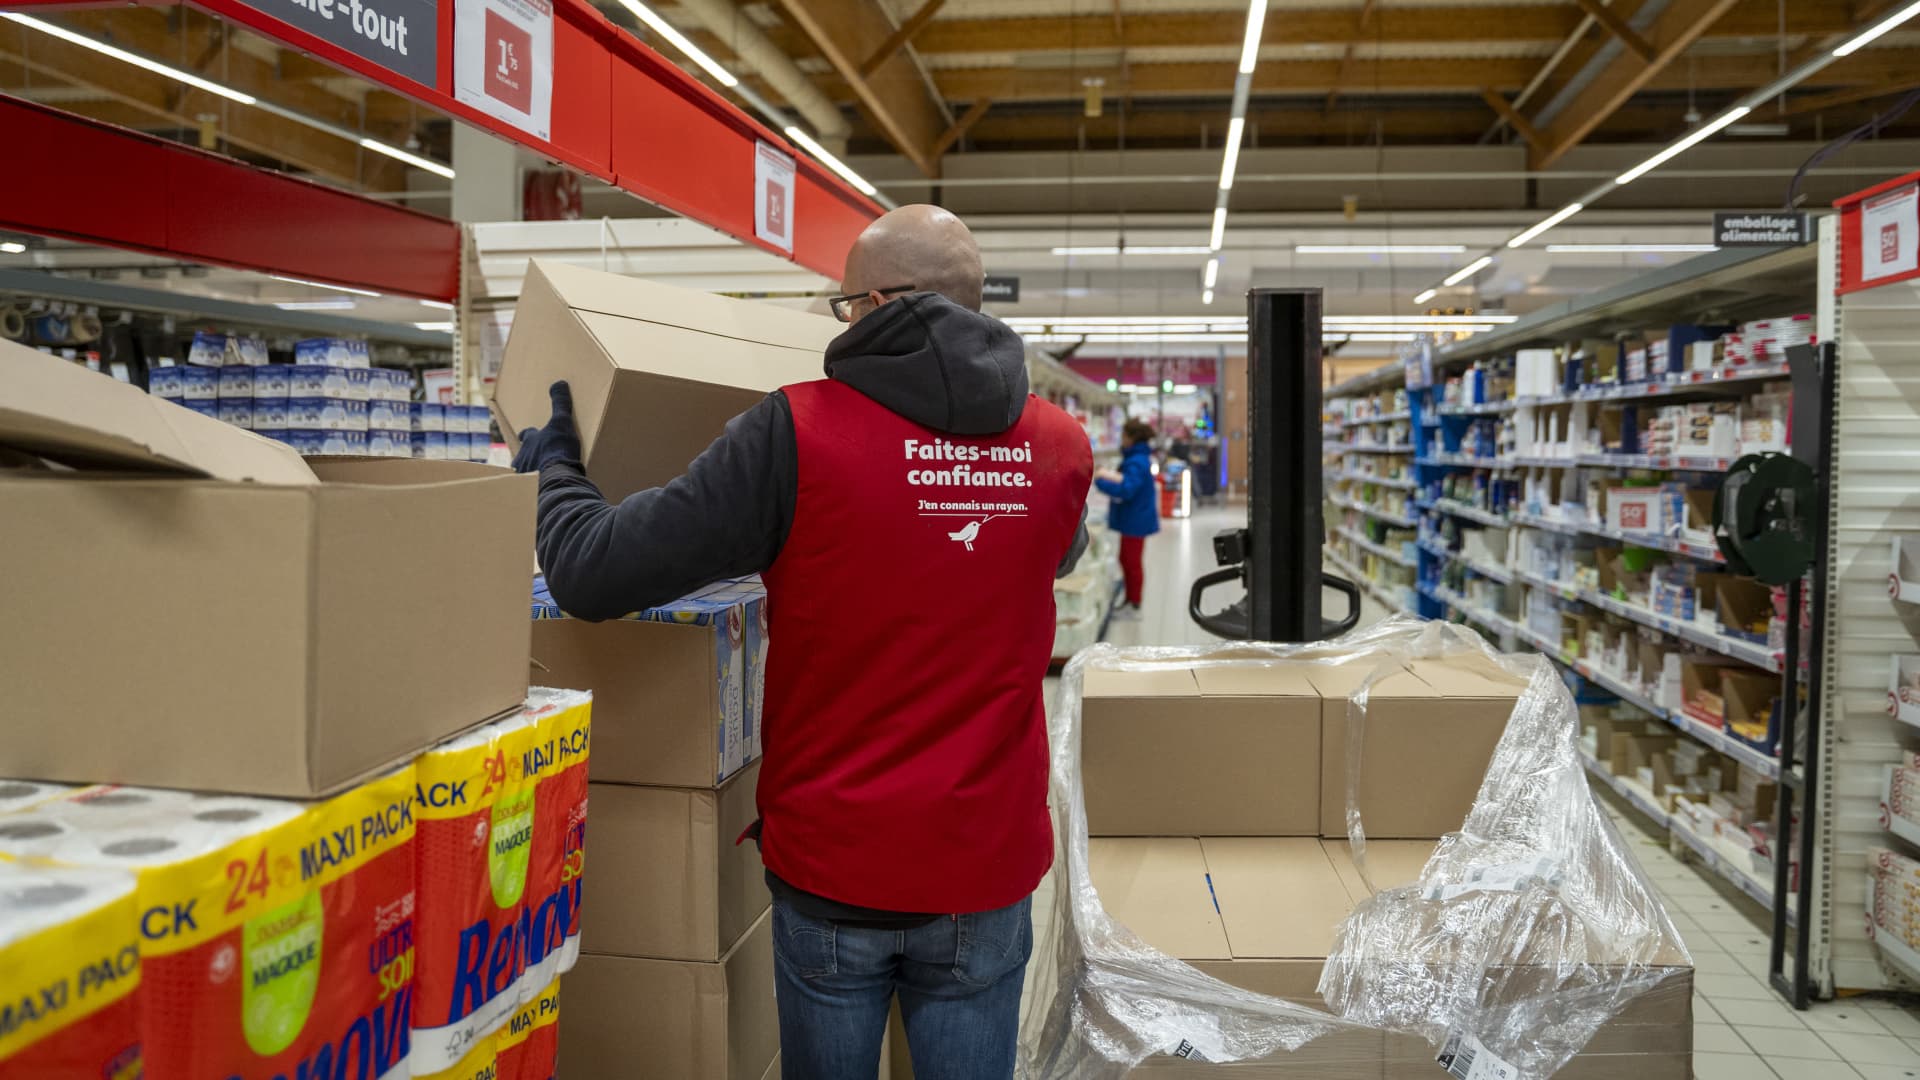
(959, 979)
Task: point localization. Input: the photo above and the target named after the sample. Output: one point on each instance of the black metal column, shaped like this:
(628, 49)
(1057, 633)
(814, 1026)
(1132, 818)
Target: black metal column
(1283, 358)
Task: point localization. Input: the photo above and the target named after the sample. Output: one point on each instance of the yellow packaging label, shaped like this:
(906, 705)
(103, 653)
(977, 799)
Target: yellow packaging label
(538, 1013)
(199, 899)
(59, 976)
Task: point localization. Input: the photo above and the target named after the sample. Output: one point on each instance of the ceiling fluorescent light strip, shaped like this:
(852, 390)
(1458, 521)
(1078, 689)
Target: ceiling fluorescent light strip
(412, 159)
(1250, 46)
(13, 247)
(1426, 296)
(1219, 228)
(1379, 249)
(1683, 144)
(1206, 296)
(1853, 44)
(687, 48)
(1169, 249)
(1559, 216)
(1468, 270)
(324, 285)
(315, 305)
(807, 143)
(1212, 273)
(124, 56)
(1236, 130)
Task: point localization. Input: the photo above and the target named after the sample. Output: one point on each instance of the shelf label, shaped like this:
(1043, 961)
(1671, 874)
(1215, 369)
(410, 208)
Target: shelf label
(1890, 234)
(503, 61)
(773, 174)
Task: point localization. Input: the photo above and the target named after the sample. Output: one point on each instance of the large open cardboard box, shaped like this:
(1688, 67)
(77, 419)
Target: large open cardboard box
(669, 880)
(656, 371)
(1261, 914)
(671, 1018)
(196, 607)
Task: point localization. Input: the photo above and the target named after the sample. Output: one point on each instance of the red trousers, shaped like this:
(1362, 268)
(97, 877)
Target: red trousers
(1130, 548)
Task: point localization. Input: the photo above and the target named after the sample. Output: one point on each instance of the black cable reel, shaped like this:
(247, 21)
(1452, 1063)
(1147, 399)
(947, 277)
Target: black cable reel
(1762, 516)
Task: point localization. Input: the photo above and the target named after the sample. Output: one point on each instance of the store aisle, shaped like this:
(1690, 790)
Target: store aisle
(1742, 1029)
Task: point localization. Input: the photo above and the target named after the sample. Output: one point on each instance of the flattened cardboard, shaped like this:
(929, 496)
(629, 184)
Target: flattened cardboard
(1207, 751)
(265, 638)
(671, 1018)
(670, 883)
(656, 371)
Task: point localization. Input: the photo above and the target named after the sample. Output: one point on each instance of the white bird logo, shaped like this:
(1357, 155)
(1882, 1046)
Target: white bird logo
(968, 534)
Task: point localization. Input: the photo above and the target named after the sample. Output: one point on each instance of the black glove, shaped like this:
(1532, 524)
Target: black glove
(557, 442)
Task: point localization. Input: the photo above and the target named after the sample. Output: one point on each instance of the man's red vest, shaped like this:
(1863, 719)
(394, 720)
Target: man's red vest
(912, 624)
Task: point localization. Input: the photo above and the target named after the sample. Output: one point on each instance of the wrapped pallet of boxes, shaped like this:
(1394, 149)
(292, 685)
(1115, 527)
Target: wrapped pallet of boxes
(293, 614)
(1441, 935)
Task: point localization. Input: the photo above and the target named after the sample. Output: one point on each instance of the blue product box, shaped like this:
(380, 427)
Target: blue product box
(480, 421)
(426, 416)
(459, 445)
(380, 442)
(431, 445)
(354, 416)
(316, 380)
(164, 383)
(389, 384)
(359, 384)
(238, 412)
(306, 441)
(270, 413)
(328, 352)
(235, 383)
(273, 381)
(356, 442)
(278, 434)
(385, 414)
(326, 414)
(727, 623)
(251, 351)
(199, 384)
(208, 349)
(204, 407)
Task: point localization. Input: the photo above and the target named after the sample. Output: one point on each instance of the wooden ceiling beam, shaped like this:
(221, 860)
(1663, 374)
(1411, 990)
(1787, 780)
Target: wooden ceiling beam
(1678, 26)
(1612, 23)
(893, 95)
(961, 126)
(1334, 28)
(1504, 109)
(1835, 98)
(899, 38)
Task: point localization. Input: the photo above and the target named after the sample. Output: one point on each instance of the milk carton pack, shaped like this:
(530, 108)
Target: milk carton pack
(359, 383)
(502, 827)
(235, 383)
(428, 416)
(205, 407)
(199, 384)
(208, 349)
(331, 352)
(431, 445)
(69, 967)
(164, 383)
(273, 381)
(275, 937)
(316, 380)
(238, 413)
(250, 351)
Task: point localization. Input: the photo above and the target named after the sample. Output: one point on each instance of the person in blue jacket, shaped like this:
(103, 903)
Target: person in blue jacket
(1135, 510)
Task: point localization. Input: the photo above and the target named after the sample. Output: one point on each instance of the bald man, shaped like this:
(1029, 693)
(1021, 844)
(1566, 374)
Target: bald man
(909, 513)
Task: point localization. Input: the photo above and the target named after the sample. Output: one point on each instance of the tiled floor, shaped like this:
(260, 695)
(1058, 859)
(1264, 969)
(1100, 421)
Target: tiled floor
(1742, 1030)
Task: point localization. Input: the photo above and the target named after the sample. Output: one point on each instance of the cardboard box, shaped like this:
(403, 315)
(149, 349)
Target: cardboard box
(1430, 732)
(1213, 751)
(199, 608)
(678, 687)
(656, 371)
(669, 881)
(690, 1021)
(1273, 907)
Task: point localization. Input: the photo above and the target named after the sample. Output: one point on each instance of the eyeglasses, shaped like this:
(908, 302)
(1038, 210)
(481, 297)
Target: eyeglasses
(843, 305)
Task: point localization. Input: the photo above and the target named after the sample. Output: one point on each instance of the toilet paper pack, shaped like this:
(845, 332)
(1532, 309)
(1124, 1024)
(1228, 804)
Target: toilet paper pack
(21, 794)
(69, 966)
(502, 826)
(276, 937)
(526, 1046)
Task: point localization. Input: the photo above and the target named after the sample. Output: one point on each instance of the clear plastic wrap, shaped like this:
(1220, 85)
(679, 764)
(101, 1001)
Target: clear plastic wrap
(1528, 930)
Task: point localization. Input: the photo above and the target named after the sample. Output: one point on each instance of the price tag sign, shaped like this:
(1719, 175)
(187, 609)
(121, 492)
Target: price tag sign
(1890, 234)
(503, 61)
(773, 174)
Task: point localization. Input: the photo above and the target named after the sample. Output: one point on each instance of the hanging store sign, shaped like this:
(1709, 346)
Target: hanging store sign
(1764, 229)
(1001, 288)
(773, 196)
(402, 36)
(1890, 234)
(503, 61)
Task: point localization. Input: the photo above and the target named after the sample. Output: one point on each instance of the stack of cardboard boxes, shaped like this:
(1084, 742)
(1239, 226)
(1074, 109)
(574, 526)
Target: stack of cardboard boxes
(676, 976)
(318, 880)
(1217, 798)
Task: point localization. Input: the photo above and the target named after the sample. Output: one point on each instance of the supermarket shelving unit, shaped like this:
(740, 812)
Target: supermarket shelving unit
(1731, 285)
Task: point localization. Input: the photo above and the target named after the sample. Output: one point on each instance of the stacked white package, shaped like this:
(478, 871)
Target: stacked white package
(70, 963)
(21, 794)
(1769, 339)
